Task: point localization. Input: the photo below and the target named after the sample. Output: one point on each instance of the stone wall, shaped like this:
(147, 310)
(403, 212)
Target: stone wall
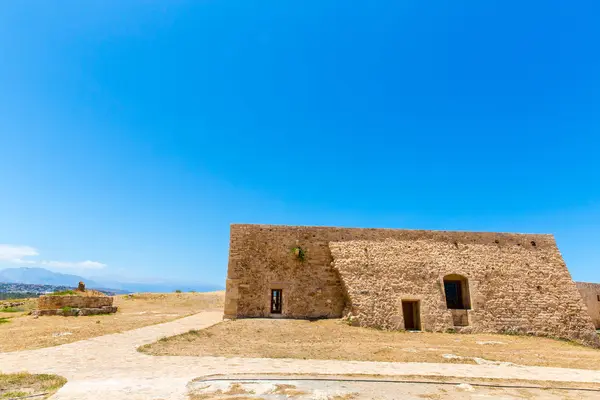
(261, 259)
(73, 301)
(75, 312)
(590, 292)
(517, 283)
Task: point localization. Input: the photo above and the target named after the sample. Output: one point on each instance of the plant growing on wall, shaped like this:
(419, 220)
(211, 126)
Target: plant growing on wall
(299, 253)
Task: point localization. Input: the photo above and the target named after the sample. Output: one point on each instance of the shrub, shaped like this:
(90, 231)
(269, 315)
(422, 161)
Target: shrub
(299, 253)
(4, 321)
(67, 309)
(178, 291)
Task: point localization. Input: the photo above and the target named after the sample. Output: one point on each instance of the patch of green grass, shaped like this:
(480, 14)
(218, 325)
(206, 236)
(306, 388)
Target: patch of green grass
(12, 309)
(13, 395)
(62, 293)
(4, 321)
(67, 309)
(15, 384)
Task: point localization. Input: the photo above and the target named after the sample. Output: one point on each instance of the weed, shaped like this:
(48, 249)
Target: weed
(62, 293)
(4, 321)
(300, 253)
(67, 310)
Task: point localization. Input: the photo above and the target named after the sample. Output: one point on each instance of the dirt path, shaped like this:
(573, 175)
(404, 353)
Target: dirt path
(110, 367)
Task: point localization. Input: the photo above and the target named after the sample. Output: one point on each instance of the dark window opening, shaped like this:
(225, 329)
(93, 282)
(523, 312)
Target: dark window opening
(410, 312)
(276, 301)
(533, 243)
(599, 297)
(453, 294)
(456, 288)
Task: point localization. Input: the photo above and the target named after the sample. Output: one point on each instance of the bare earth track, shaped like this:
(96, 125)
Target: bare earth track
(335, 340)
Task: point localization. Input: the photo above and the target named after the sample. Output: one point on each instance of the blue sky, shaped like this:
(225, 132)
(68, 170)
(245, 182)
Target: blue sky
(133, 133)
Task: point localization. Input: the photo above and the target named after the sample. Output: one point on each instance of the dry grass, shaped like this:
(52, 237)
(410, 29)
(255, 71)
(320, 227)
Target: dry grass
(347, 396)
(235, 389)
(23, 385)
(333, 339)
(29, 305)
(213, 396)
(135, 311)
(288, 390)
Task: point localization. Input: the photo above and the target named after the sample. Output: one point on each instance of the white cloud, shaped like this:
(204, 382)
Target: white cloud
(21, 261)
(67, 264)
(16, 254)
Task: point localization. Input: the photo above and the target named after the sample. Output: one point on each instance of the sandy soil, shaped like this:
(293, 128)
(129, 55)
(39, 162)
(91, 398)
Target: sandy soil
(333, 339)
(26, 332)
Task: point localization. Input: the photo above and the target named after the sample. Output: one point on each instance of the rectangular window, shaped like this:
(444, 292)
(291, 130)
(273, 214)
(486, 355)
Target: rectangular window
(599, 297)
(454, 298)
(276, 301)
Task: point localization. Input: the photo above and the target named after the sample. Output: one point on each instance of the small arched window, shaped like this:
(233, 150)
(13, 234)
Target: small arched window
(456, 288)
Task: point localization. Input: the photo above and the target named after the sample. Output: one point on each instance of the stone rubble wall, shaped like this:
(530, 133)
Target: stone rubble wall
(589, 293)
(73, 301)
(10, 304)
(74, 312)
(517, 282)
(516, 288)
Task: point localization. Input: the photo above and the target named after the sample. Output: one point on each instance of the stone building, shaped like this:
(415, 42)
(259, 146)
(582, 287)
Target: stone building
(590, 292)
(406, 279)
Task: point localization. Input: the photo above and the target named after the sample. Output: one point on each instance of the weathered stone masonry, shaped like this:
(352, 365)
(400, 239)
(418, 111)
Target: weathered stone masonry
(590, 292)
(512, 282)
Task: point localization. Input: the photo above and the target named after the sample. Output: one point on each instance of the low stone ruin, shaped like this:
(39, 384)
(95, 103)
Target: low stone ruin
(11, 304)
(81, 302)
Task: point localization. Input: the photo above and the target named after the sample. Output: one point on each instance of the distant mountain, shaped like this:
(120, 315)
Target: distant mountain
(163, 287)
(41, 276)
(24, 290)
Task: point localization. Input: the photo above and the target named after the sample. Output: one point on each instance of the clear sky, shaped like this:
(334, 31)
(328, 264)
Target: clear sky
(132, 133)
